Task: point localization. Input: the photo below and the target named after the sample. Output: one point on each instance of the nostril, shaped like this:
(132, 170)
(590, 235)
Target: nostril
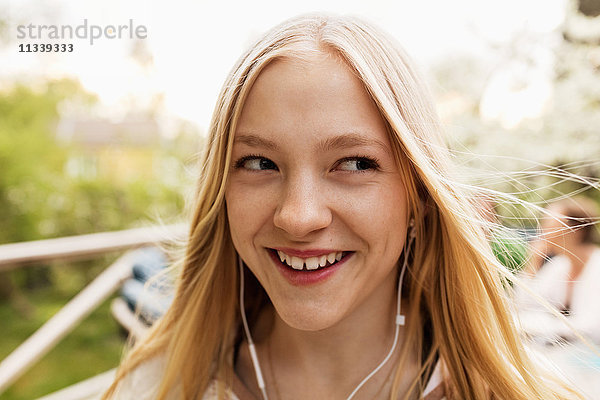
(302, 219)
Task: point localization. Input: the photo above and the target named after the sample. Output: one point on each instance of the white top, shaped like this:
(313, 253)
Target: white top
(550, 283)
(144, 381)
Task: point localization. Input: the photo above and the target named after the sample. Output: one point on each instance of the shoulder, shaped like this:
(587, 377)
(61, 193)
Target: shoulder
(436, 388)
(591, 273)
(557, 264)
(554, 271)
(143, 382)
(214, 388)
(595, 258)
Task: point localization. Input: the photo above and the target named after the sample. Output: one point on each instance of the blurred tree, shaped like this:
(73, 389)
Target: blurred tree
(28, 159)
(38, 198)
(554, 153)
(565, 134)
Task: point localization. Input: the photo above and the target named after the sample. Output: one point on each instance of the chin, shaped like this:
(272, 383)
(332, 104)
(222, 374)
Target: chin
(308, 318)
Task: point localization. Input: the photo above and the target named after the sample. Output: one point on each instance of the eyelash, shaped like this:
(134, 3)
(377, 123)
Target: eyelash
(373, 163)
(239, 164)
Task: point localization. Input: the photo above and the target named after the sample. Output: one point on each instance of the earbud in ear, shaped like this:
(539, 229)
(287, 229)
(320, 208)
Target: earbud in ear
(412, 231)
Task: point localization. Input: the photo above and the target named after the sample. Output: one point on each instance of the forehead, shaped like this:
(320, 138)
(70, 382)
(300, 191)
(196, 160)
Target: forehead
(318, 94)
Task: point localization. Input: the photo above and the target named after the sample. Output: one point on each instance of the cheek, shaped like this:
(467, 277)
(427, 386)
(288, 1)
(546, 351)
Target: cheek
(377, 211)
(247, 211)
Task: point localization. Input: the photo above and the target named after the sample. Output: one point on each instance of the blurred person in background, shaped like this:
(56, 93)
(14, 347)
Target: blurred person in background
(564, 270)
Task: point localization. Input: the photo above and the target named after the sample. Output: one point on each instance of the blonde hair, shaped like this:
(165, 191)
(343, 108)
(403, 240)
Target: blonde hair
(581, 214)
(454, 284)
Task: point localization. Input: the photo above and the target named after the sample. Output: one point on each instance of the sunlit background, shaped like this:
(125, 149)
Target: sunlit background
(106, 137)
(191, 47)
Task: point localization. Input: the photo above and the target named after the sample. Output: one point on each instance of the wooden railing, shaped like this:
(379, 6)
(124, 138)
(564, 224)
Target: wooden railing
(85, 246)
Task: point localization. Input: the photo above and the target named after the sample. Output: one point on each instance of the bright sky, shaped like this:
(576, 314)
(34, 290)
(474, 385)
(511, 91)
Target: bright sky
(194, 45)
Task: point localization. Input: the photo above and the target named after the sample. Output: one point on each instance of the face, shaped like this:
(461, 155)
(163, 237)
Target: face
(314, 183)
(556, 231)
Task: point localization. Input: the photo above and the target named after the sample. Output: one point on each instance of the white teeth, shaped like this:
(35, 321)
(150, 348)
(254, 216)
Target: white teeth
(331, 258)
(323, 260)
(297, 263)
(312, 263)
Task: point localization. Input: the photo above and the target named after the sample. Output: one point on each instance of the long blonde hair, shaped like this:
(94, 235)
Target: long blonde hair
(454, 284)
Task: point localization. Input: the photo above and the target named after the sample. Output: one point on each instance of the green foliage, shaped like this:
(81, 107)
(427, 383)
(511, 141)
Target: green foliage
(95, 346)
(28, 158)
(510, 249)
(40, 198)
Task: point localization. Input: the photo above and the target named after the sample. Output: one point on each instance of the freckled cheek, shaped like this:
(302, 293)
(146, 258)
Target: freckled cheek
(248, 209)
(373, 208)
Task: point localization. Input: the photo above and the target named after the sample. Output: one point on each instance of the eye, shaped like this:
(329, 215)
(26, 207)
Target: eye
(357, 164)
(255, 163)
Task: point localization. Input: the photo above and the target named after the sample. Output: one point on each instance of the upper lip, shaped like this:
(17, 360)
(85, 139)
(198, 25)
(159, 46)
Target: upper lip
(306, 253)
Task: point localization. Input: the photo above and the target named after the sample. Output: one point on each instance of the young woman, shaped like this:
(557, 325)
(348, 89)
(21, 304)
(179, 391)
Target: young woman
(570, 280)
(332, 255)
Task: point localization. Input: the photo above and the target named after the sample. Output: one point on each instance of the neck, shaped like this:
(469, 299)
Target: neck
(335, 360)
(578, 255)
(343, 344)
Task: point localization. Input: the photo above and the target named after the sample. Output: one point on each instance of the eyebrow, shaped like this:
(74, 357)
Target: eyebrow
(350, 140)
(252, 140)
(344, 141)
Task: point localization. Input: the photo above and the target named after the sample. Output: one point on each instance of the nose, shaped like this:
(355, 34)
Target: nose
(302, 208)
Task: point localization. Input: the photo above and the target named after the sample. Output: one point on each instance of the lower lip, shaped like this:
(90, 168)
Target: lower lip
(304, 277)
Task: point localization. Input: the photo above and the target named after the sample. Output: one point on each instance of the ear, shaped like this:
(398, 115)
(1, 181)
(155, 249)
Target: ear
(423, 208)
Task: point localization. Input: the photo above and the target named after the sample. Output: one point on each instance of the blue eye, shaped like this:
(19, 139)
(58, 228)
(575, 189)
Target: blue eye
(357, 164)
(255, 163)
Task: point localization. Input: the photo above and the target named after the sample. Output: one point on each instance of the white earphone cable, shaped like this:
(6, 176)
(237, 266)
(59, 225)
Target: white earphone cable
(399, 320)
(253, 355)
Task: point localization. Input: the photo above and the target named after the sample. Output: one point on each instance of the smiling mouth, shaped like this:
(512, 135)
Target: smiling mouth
(310, 263)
